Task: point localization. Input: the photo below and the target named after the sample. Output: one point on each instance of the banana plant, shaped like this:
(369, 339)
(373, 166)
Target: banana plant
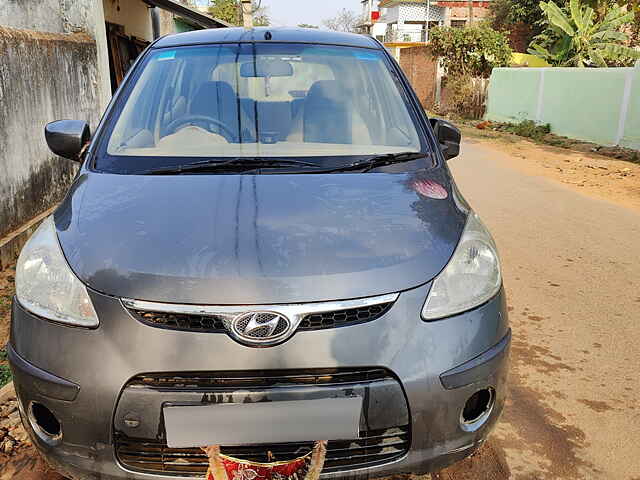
(576, 39)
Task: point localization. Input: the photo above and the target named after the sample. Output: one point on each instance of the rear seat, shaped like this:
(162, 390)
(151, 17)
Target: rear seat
(274, 118)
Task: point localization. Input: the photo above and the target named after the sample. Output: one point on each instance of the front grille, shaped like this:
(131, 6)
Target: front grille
(259, 379)
(375, 447)
(216, 324)
(342, 318)
(178, 321)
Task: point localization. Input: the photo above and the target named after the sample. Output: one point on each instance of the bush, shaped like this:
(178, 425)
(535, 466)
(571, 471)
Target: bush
(526, 128)
(473, 51)
(463, 96)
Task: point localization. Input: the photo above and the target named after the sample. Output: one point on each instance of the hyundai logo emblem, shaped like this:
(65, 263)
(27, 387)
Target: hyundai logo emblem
(260, 328)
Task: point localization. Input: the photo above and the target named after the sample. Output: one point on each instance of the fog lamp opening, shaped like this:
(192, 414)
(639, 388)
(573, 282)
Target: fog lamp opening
(44, 423)
(477, 409)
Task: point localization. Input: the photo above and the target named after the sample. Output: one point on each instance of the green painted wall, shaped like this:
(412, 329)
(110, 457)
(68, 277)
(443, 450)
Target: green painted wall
(631, 136)
(513, 94)
(600, 105)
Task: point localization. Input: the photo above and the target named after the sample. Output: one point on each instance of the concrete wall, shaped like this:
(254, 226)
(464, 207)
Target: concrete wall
(56, 16)
(43, 77)
(598, 105)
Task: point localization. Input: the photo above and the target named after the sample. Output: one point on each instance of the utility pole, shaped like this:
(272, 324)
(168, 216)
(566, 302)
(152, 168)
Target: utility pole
(247, 13)
(470, 4)
(426, 23)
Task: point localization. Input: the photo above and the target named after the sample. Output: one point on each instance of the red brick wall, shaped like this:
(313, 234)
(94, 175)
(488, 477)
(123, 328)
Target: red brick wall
(420, 67)
(457, 3)
(459, 13)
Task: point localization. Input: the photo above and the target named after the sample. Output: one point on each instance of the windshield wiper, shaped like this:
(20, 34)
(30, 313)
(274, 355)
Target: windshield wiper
(378, 161)
(238, 164)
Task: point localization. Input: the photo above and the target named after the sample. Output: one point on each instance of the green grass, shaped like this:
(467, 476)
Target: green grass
(529, 129)
(5, 373)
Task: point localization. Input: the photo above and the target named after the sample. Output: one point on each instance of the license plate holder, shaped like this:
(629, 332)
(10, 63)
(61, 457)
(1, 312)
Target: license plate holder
(263, 422)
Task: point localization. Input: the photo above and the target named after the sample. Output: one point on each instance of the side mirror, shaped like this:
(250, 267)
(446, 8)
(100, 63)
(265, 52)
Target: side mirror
(67, 137)
(448, 137)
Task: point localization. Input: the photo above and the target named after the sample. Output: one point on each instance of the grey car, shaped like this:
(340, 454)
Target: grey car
(263, 248)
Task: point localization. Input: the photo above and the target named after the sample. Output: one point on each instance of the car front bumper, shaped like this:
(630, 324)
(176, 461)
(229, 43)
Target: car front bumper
(80, 374)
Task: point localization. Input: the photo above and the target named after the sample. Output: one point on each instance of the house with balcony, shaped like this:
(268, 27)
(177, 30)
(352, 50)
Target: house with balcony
(409, 21)
(370, 23)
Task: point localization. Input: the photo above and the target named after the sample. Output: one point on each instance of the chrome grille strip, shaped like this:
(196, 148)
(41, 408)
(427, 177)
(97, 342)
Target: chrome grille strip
(294, 309)
(244, 324)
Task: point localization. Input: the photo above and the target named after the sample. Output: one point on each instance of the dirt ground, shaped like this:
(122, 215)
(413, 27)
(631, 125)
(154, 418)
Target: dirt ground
(6, 293)
(572, 409)
(569, 256)
(601, 177)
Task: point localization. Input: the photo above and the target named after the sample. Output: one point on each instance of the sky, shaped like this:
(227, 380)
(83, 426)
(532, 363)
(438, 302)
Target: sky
(294, 12)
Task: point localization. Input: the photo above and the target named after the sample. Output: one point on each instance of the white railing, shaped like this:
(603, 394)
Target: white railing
(406, 35)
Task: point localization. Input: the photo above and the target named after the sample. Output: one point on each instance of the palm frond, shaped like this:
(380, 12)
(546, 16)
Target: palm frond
(558, 18)
(576, 13)
(614, 51)
(607, 35)
(597, 58)
(587, 19)
(616, 20)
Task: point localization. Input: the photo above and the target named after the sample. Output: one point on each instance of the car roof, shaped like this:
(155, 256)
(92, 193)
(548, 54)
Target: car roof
(259, 34)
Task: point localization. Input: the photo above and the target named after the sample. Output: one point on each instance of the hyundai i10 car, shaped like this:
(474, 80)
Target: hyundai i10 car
(263, 255)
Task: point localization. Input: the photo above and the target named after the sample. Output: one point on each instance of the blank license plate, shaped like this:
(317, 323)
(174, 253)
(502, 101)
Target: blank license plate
(265, 422)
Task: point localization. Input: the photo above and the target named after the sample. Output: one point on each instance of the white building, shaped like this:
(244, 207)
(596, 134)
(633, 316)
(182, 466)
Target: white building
(409, 21)
(371, 25)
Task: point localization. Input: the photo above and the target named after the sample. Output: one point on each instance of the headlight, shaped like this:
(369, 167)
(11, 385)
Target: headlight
(46, 286)
(471, 278)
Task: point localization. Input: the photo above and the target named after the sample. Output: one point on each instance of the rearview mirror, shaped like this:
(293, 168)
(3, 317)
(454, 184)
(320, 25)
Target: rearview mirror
(266, 68)
(67, 137)
(448, 137)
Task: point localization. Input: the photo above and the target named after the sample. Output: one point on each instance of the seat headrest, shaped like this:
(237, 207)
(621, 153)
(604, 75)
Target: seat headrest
(327, 114)
(330, 89)
(214, 94)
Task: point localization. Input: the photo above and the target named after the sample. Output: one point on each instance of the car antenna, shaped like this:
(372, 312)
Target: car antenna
(267, 35)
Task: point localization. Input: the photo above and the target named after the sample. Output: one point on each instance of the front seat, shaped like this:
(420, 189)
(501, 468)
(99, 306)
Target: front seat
(217, 100)
(330, 116)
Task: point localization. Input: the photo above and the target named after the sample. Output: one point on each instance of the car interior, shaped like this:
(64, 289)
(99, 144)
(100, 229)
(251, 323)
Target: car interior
(266, 99)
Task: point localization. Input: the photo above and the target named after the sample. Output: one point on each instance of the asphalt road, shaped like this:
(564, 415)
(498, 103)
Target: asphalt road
(572, 271)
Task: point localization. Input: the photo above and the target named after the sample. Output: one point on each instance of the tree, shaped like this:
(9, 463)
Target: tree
(474, 51)
(506, 13)
(229, 11)
(578, 39)
(307, 25)
(344, 21)
(226, 10)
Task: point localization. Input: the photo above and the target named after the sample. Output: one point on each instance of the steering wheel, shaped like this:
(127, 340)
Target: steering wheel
(202, 121)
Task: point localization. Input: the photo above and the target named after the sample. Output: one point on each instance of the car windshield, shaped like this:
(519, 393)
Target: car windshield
(263, 100)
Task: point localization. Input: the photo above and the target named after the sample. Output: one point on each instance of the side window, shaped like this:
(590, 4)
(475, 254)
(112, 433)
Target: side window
(140, 111)
(397, 117)
(371, 104)
(175, 103)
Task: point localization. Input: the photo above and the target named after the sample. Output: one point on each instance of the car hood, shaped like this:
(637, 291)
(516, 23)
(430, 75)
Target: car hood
(259, 239)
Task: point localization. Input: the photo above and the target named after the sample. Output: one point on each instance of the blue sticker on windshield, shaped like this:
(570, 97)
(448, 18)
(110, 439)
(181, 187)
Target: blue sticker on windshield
(366, 56)
(168, 55)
